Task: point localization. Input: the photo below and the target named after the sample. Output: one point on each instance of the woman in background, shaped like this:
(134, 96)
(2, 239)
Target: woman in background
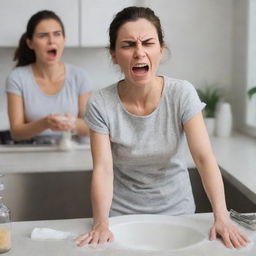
(45, 96)
(138, 128)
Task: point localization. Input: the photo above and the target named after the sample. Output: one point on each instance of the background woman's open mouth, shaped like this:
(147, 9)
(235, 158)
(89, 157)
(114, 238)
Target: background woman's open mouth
(52, 52)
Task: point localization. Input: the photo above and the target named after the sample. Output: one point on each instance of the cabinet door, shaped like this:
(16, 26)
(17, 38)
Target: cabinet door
(96, 17)
(14, 15)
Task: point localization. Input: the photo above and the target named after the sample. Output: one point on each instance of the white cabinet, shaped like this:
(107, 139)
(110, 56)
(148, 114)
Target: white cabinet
(86, 21)
(14, 15)
(96, 17)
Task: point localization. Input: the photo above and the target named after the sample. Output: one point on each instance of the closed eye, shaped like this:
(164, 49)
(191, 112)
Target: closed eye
(128, 44)
(148, 43)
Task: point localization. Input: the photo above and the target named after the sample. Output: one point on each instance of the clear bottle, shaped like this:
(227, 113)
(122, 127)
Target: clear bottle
(5, 224)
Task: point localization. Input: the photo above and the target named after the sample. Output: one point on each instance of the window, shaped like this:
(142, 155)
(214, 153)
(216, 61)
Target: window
(251, 68)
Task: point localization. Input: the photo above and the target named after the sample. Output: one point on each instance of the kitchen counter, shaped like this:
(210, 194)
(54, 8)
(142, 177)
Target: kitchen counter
(22, 244)
(45, 161)
(235, 155)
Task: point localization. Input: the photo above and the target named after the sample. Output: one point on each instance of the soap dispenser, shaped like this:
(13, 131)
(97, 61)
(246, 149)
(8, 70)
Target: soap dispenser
(5, 223)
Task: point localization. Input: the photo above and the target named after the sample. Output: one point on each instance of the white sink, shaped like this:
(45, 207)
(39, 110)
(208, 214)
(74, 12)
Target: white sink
(155, 232)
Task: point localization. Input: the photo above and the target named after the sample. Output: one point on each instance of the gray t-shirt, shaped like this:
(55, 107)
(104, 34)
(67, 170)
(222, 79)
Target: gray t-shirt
(150, 172)
(38, 104)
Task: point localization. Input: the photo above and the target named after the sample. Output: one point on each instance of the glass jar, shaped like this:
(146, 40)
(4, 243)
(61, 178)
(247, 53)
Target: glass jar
(5, 228)
(5, 224)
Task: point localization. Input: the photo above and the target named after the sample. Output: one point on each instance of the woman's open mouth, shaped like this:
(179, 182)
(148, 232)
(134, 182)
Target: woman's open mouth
(140, 69)
(52, 52)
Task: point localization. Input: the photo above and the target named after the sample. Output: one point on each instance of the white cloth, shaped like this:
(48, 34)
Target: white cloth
(48, 233)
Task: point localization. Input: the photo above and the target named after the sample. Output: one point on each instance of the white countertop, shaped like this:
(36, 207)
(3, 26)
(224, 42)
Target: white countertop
(45, 161)
(236, 155)
(22, 244)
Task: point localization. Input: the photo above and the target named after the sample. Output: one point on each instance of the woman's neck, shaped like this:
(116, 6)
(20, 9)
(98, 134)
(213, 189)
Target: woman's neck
(48, 72)
(141, 100)
(139, 94)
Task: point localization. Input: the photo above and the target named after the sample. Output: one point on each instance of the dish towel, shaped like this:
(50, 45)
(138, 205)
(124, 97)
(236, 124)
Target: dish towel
(48, 233)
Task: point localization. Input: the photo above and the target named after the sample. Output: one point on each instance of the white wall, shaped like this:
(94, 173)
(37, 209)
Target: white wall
(239, 80)
(6, 55)
(198, 33)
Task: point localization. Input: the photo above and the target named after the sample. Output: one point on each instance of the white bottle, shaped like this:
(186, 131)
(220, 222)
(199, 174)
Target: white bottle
(65, 143)
(223, 126)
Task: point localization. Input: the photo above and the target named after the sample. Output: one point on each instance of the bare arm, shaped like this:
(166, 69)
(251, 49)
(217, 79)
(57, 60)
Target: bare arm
(101, 190)
(200, 147)
(19, 129)
(102, 178)
(80, 126)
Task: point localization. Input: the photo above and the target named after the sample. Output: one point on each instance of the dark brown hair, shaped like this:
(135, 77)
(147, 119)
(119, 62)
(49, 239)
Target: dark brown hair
(23, 54)
(133, 13)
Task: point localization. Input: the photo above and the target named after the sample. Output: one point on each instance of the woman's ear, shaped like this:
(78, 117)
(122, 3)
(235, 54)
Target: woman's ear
(29, 44)
(113, 55)
(162, 49)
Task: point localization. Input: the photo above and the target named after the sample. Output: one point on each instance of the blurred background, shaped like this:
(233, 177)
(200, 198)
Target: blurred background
(210, 43)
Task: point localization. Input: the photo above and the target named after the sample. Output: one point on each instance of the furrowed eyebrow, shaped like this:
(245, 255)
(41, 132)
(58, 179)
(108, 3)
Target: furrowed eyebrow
(147, 40)
(133, 43)
(130, 43)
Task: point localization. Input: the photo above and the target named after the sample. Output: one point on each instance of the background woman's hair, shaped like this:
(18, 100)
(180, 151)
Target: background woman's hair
(23, 54)
(133, 13)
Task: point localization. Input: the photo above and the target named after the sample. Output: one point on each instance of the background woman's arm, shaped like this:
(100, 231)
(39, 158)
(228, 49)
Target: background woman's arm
(21, 130)
(81, 127)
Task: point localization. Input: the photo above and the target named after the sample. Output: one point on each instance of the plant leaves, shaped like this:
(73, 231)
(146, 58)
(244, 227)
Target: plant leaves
(210, 96)
(251, 92)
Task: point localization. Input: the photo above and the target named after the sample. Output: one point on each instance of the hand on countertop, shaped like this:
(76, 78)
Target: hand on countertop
(230, 234)
(99, 234)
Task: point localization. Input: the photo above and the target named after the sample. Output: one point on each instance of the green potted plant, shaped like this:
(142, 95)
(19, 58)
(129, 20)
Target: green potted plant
(251, 92)
(211, 96)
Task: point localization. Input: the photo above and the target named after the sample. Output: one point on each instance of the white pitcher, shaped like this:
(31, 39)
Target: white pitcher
(224, 120)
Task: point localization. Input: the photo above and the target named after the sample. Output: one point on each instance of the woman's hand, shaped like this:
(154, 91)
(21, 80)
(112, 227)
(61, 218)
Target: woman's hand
(230, 233)
(57, 122)
(99, 234)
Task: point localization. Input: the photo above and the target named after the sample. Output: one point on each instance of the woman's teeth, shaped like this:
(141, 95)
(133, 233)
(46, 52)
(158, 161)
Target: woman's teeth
(140, 67)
